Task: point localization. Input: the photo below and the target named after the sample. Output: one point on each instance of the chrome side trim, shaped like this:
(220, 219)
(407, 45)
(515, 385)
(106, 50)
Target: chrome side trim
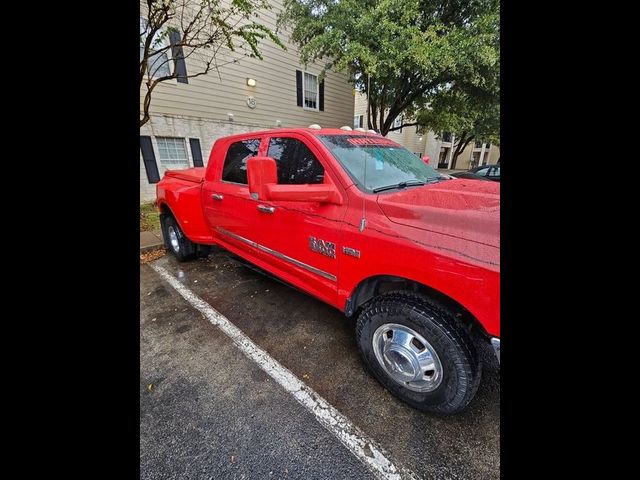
(278, 254)
(496, 346)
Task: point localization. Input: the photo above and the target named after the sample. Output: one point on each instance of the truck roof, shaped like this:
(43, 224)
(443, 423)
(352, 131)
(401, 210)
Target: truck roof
(312, 131)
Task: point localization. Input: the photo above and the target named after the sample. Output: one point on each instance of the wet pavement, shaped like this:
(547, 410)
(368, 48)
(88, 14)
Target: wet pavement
(212, 413)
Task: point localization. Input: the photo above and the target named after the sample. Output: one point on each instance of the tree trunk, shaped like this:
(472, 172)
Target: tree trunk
(462, 144)
(144, 119)
(374, 114)
(145, 107)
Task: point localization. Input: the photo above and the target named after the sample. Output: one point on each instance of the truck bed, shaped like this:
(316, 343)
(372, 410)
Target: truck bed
(182, 189)
(195, 175)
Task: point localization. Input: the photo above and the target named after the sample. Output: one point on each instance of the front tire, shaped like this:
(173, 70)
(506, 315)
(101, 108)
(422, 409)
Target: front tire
(415, 349)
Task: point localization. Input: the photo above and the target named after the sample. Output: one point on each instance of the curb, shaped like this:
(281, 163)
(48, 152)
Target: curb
(150, 241)
(148, 248)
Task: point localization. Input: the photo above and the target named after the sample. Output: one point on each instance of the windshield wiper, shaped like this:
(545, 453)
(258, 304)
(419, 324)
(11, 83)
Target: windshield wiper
(410, 183)
(441, 178)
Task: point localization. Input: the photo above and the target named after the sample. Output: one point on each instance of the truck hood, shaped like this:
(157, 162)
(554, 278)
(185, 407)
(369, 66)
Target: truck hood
(461, 208)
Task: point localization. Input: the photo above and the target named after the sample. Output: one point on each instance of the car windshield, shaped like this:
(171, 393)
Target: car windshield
(386, 163)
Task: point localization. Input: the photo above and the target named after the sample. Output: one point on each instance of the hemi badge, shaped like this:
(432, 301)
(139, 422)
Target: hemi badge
(351, 251)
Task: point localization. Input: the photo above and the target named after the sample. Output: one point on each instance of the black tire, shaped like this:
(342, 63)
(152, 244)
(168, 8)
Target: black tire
(184, 249)
(460, 366)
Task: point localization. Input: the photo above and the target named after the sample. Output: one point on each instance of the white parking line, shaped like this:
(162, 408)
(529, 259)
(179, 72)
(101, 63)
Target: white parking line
(349, 435)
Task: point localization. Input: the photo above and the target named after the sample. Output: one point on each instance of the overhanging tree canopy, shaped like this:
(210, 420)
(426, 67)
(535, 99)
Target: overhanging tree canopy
(469, 113)
(409, 50)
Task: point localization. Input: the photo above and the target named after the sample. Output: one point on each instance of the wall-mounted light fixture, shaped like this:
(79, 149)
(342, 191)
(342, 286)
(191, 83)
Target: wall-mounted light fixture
(230, 116)
(420, 139)
(251, 82)
(278, 123)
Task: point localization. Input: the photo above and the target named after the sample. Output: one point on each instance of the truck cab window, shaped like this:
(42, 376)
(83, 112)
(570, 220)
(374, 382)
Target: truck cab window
(296, 163)
(235, 163)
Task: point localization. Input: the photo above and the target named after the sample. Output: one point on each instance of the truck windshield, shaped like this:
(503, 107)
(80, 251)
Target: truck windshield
(387, 163)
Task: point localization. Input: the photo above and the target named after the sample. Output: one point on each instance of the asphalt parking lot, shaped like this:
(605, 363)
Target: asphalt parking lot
(207, 411)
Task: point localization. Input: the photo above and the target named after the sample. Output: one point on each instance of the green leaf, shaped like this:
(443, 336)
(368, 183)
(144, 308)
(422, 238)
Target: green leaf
(411, 49)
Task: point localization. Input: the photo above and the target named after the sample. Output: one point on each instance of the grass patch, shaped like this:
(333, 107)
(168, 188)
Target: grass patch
(149, 217)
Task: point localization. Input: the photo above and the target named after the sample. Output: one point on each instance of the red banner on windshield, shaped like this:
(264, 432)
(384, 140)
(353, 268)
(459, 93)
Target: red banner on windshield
(372, 141)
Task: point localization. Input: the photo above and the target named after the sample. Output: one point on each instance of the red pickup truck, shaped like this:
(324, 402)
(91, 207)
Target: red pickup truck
(361, 223)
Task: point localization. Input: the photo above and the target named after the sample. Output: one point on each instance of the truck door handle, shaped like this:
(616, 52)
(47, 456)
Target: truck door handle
(265, 209)
(217, 196)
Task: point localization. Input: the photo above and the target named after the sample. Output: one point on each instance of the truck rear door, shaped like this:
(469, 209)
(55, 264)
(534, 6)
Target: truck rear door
(226, 201)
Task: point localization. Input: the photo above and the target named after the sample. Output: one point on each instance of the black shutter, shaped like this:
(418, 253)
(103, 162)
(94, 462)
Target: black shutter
(299, 87)
(322, 96)
(149, 158)
(196, 152)
(176, 52)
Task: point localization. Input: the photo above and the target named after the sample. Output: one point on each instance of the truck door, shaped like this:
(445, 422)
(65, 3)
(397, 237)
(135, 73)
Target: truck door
(302, 236)
(226, 200)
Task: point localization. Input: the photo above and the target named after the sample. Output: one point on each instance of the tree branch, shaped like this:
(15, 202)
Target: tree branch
(403, 125)
(206, 27)
(462, 145)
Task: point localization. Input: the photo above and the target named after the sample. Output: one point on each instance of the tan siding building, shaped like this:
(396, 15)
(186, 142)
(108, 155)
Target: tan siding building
(439, 150)
(222, 103)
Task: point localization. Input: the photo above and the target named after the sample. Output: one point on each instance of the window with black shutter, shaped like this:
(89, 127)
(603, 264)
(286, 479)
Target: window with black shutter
(299, 87)
(149, 159)
(196, 152)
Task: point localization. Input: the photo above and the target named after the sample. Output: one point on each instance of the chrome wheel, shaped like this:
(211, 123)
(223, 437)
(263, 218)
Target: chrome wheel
(173, 239)
(407, 357)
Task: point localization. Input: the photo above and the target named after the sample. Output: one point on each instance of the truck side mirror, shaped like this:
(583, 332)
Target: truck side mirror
(260, 172)
(262, 177)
